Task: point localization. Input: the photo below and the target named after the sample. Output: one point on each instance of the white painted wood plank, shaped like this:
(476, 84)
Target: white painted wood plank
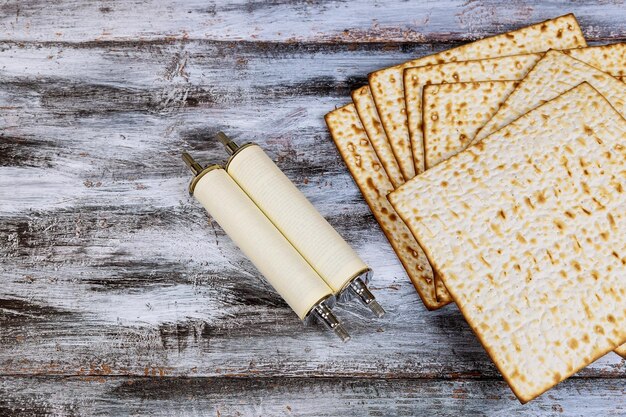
(300, 397)
(292, 21)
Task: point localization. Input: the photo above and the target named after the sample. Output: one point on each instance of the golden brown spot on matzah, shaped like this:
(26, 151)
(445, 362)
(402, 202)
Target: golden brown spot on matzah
(505, 326)
(600, 205)
(559, 224)
(609, 216)
(585, 187)
(371, 185)
(577, 246)
(357, 129)
(483, 260)
(529, 203)
(541, 198)
(496, 229)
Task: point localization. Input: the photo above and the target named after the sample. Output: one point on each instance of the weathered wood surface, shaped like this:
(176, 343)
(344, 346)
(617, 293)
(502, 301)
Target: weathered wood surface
(118, 296)
(299, 397)
(293, 21)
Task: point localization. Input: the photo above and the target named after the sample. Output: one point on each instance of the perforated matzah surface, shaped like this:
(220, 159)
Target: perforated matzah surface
(453, 113)
(554, 74)
(461, 108)
(387, 86)
(611, 58)
(528, 232)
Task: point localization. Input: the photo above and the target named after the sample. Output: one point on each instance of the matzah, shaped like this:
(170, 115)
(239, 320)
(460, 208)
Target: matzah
(387, 86)
(528, 232)
(610, 58)
(554, 74)
(371, 123)
(358, 154)
(453, 113)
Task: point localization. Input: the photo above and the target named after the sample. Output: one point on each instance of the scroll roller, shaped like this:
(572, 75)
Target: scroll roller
(290, 211)
(283, 267)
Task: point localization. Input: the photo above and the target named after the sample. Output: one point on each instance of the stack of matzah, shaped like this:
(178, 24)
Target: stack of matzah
(497, 170)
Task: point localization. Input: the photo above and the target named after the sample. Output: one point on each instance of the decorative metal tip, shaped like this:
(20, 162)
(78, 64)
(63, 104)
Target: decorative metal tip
(195, 167)
(376, 308)
(341, 333)
(231, 146)
(326, 316)
(360, 289)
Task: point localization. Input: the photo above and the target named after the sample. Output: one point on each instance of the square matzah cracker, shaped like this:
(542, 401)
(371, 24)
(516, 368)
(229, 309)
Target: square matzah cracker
(387, 87)
(554, 74)
(453, 113)
(358, 154)
(528, 232)
(609, 58)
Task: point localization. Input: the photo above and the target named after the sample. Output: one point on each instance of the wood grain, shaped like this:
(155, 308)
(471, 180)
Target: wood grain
(293, 21)
(296, 396)
(114, 278)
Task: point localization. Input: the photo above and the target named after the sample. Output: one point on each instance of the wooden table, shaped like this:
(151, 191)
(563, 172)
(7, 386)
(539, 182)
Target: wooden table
(119, 296)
